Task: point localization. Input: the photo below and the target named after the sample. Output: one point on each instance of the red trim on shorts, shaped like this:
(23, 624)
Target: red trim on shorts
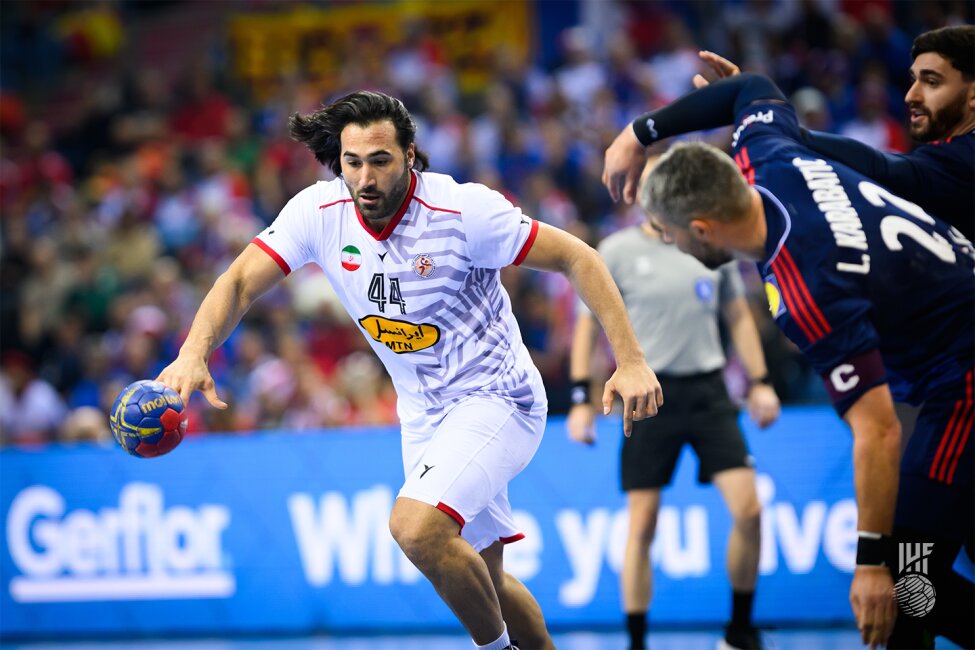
(391, 226)
(274, 255)
(528, 244)
(443, 507)
(954, 437)
(431, 207)
(513, 538)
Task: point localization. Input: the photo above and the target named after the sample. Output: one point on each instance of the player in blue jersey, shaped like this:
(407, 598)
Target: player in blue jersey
(937, 175)
(880, 297)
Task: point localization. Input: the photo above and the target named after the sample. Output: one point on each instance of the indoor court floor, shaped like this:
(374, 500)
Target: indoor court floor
(791, 639)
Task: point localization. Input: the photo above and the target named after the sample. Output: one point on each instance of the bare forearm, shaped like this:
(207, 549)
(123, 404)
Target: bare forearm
(595, 285)
(748, 344)
(876, 460)
(580, 357)
(219, 313)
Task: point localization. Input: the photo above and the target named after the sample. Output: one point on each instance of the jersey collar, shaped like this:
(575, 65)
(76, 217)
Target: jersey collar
(778, 224)
(391, 226)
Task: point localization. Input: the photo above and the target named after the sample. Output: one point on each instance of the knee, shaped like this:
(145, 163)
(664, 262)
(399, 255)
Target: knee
(411, 537)
(642, 530)
(748, 517)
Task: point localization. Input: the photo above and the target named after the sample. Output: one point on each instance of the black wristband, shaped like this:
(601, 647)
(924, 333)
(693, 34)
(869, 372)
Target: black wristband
(872, 549)
(580, 392)
(645, 130)
(764, 379)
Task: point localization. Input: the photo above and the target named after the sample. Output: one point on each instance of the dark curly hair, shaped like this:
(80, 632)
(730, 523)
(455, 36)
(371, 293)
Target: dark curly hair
(957, 44)
(321, 130)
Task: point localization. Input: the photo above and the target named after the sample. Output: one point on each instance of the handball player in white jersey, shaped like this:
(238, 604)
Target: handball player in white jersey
(415, 258)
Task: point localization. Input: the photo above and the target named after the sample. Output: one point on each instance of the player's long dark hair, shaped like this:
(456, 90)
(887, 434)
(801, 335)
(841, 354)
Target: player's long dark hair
(957, 44)
(320, 130)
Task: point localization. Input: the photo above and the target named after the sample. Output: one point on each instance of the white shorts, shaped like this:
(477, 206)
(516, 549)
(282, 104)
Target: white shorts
(464, 466)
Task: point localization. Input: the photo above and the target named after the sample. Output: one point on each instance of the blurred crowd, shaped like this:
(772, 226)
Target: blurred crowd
(131, 176)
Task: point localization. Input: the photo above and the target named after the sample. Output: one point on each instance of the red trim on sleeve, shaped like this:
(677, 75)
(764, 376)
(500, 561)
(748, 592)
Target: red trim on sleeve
(443, 507)
(513, 538)
(745, 165)
(528, 244)
(274, 255)
(391, 226)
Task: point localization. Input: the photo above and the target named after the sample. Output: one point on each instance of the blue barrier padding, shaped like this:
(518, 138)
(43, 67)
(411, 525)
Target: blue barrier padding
(287, 532)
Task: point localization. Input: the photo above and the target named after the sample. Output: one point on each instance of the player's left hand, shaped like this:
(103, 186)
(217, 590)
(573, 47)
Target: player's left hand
(763, 405)
(622, 165)
(637, 385)
(872, 598)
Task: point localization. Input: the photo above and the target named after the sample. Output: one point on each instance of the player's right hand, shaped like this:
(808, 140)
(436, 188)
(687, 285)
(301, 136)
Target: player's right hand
(874, 606)
(581, 423)
(622, 165)
(721, 66)
(187, 374)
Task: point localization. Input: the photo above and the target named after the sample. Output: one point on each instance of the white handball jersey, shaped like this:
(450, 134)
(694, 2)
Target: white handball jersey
(426, 291)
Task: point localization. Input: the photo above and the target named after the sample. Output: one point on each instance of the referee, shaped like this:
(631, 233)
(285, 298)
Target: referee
(673, 302)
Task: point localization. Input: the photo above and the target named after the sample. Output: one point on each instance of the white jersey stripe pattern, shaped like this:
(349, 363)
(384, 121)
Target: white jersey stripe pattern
(425, 292)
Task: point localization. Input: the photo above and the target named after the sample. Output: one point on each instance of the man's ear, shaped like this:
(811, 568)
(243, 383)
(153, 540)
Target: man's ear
(701, 228)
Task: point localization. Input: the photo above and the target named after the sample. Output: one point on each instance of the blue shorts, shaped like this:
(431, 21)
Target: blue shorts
(936, 483)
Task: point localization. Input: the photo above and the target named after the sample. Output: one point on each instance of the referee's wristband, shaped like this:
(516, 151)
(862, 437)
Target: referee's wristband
(580, 392)
(764, 380)
(872, 548)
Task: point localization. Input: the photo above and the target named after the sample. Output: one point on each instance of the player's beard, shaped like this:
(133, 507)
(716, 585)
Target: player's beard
(388, 203)
(710, 256)
(940, 123)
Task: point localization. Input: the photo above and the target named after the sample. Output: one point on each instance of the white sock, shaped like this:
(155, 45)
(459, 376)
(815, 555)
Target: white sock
(500, 643)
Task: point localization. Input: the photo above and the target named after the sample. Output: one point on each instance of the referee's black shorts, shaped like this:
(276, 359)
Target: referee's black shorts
(696, 410)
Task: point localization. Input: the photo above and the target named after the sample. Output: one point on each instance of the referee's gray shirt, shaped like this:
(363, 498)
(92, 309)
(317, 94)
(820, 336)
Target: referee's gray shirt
(672, 300)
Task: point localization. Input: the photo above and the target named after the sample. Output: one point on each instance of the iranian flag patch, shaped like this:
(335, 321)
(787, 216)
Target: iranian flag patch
(351, 258)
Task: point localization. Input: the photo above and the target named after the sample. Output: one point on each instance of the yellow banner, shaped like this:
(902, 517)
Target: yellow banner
(315, 43)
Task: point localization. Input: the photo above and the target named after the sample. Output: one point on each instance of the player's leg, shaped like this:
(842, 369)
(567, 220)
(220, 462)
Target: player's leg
(725, 461)
(522, 614)
(647, 461)
(457, 479)
(429, 538)
(636, 578)
(935, 506)
(737, 486)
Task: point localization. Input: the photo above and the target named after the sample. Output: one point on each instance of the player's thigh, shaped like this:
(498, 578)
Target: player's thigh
(476, 450)
(936, 483)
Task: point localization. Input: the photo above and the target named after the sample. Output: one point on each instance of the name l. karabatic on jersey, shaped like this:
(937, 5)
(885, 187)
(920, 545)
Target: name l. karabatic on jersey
(852, 269)
(426, 291)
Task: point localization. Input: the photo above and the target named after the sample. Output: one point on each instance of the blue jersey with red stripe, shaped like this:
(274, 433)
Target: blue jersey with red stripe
(851, 269)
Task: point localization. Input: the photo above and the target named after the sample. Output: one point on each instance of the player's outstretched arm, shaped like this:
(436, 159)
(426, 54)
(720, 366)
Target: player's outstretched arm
(709, 107)
(633, 381)
(581, 421)
(249, 277)
(876, 462)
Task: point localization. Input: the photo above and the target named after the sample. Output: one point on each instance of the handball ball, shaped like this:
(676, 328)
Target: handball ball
(915, 594)
(148, 419)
